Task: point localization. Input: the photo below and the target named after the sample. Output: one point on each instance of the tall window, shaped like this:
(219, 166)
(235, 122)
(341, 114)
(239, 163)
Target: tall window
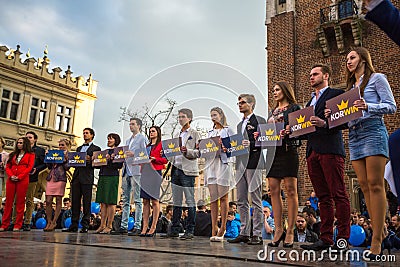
(9, 104)
(63, 118)
(38, 112)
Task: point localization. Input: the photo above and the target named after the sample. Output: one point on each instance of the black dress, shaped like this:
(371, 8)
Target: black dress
(286, 160)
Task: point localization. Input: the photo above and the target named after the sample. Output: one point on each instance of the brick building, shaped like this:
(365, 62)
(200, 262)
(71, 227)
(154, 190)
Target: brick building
(303, 32)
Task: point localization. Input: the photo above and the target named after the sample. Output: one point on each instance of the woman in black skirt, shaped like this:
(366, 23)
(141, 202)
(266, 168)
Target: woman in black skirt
(285, 165)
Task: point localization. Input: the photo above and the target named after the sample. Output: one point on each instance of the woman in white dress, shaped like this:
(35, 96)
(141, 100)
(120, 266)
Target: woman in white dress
(218, 176)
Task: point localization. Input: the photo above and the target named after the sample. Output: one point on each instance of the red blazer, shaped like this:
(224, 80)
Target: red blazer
(21, 169)
(159, 162)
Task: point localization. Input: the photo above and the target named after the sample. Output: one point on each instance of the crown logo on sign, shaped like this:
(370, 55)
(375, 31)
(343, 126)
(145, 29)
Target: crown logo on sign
(269, 132)
(100, 156)
(209, 144)
(121, 152)
(233, 143)
(301, 119)
(55, 155)
(343, 105)
(141, 154)
(77, 157)
(171, 145)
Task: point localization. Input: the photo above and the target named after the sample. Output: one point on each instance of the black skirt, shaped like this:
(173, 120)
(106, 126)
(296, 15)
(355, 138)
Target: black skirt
(285, 163)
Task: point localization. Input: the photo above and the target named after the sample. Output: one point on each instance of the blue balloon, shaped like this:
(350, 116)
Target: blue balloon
(357, 235)
(41, 223)
(131, 223)
(67, 222)
(95, 207)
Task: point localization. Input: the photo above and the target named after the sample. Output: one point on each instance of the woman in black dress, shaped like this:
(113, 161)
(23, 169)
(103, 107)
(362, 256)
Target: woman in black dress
(285, 165)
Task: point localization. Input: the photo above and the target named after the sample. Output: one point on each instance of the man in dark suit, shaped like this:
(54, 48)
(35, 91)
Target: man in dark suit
(33, 178)
(386, 16)
(248, 174)
(82, 183)
(325, 161)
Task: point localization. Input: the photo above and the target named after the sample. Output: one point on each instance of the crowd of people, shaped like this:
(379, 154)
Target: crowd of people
(325, 219)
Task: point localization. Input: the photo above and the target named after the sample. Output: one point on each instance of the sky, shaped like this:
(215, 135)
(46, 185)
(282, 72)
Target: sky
(201, 53)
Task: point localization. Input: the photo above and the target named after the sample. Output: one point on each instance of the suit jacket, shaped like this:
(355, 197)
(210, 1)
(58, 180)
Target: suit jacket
(254, 160)
(189, 160)
(325, 140)
(21, 169)
(39, 163)
(85, 175)
(387, 17)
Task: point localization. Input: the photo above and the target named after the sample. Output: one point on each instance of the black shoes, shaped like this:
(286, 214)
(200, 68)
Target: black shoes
(255, 240)
(71, 230)
(172, 235)
(121, 231)
(186, 236)
(135, 232)
(276, 244)
(239, 239)
(319, 245)
(26, 227)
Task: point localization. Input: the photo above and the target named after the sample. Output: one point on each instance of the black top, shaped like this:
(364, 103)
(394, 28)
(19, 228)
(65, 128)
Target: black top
(39, 163)
(111, 169)
(203, 224)
(282, 115)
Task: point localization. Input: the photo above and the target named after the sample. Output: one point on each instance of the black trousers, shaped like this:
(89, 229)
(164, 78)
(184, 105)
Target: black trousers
(81, 192)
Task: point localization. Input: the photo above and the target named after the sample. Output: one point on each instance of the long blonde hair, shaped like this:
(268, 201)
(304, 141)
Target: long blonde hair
(222, 114)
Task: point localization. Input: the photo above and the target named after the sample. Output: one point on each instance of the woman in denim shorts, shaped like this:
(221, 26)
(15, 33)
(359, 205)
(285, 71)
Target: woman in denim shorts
(368, 137)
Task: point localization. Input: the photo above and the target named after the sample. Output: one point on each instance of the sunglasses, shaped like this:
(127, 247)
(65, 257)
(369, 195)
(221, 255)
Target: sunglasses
(241, 103)
(20, 142)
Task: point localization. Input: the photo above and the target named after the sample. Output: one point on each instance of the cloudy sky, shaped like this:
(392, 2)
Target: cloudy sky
(126, 44)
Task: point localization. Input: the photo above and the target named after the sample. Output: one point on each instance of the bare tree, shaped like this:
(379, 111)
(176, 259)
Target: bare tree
(150, 117)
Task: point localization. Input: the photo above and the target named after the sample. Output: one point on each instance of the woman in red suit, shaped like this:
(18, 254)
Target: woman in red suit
(19, 165)
(150, 188)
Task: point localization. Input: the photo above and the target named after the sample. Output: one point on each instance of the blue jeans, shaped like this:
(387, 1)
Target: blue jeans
(183, 184)
(129, 183)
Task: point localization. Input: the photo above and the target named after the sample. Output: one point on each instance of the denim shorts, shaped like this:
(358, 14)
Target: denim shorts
(368, 137)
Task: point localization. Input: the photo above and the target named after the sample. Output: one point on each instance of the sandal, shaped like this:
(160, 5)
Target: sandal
(106, 231)
(99, 230)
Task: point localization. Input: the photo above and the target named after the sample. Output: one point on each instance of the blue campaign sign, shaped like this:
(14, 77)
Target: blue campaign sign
(76, 159)
(54, 156)
(234, 145)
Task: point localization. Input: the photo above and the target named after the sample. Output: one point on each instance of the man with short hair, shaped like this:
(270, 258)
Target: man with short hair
(325, 162)
(203, 220)
(269, 224)
(131, 179)
(82, 184)
(33, 178)
(312, 223)
(248, 174)
(302, 233)
(183, 174)
(395, 225)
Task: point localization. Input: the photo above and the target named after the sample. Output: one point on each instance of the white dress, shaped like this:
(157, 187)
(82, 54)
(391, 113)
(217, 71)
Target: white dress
(220, 170)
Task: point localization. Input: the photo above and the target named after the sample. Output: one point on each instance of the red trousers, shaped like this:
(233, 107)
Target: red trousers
(18, 190)
(326, 172)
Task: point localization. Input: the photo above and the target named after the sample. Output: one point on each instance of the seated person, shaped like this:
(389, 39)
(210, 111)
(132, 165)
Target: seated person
(268, 225)
(202, 225)
(302, 233)
(232, 226)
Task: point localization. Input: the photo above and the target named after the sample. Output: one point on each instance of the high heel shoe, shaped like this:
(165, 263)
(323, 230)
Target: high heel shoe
(287, 245)
(276, 244)
(150, 235)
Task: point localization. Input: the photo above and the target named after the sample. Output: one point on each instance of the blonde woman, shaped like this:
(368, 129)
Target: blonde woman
(55, 187)
(218, 176)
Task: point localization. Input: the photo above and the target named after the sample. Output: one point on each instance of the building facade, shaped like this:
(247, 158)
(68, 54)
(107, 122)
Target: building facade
(35, 98)
(304, 32)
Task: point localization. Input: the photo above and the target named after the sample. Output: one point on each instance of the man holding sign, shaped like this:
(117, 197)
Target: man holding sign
(325, 161)
(82, 183)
